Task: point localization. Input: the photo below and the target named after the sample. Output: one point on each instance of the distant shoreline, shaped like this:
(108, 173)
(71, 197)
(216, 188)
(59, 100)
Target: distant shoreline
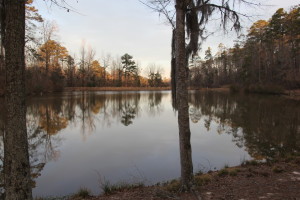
(291, 94)
(71, 89)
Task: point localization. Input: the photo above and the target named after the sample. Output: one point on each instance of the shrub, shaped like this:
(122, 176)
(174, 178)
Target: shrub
(250, 162)
(223, 172)
(83, 193)
(109, 188)
(233, 172)
(173, 186)
(202, 179)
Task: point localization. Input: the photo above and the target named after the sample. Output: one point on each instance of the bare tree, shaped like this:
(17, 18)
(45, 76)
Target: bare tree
(89, 59)
(82, 63)
(106, 60)
(192, 17)
(154, 73)
(48, 29)
(116, 71)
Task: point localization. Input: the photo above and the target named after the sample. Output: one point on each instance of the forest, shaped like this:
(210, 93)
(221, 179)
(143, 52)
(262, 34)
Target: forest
(50, 66)
(267, 59)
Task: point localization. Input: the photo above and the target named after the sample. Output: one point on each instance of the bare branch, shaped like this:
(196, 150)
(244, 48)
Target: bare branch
(64, 5)
(161, 6)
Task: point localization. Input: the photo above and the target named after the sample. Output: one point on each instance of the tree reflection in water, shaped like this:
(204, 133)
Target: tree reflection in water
(47, 116)
(266, 126)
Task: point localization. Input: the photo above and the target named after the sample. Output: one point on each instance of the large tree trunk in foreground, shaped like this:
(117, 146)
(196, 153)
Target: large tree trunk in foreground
(182, 99)
(16, 158)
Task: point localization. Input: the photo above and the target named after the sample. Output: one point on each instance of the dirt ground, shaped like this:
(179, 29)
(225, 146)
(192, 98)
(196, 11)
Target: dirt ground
(279, 181)
(257, 183)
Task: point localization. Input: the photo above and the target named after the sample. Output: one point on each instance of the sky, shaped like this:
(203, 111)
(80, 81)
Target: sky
(128, 26)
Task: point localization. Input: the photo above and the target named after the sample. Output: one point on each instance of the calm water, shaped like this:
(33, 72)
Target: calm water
(76, 139)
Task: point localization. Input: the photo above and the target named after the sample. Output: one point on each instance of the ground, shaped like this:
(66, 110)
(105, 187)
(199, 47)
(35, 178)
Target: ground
(280, 180)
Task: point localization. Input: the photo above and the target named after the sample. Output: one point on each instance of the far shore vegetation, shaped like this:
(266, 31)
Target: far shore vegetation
(249, 65)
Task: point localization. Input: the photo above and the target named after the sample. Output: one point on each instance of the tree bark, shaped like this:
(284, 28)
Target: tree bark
(173, 70)
(16, 157)
(182, 99)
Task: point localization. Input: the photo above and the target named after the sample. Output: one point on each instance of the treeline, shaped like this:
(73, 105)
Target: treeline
(51, 67)
(268, 58)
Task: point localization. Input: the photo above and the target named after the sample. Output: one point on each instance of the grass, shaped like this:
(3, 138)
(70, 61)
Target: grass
(228, 171)
(109, 188)
(172, 186)
(223, 172)
(250, 162)
(199, 180)
(83, 193)
(233, 172)
(203, 179)
(200, 172)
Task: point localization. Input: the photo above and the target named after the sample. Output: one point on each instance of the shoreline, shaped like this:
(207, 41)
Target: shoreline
(72, 89)
(290, 94)
(278, 179)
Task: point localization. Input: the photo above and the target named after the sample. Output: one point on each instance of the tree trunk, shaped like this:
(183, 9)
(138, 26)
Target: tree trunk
(1, 36)
(16, 158)
(173, 70)
(182, 99)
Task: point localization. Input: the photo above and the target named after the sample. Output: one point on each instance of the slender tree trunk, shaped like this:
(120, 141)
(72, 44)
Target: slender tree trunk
(2, 36)
(104, 74)
(16, 158)
(173, 69)
(47, 62)
(182, 99)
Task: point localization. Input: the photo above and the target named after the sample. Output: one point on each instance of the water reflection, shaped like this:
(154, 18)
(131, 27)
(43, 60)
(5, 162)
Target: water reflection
(140, 128)
(267, 126)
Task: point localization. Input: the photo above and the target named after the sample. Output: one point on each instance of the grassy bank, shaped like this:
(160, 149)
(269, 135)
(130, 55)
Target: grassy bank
(278, 179)
(251, 180)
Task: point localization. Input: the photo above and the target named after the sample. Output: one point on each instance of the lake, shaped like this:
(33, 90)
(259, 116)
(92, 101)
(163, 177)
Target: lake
(79, 139)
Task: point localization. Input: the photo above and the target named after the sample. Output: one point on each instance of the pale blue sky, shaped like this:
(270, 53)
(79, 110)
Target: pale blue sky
(127, 26)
